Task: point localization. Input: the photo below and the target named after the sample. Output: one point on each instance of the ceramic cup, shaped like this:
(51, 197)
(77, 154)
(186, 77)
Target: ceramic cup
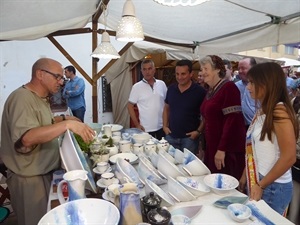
(112, 190)
(107, 178)
(102, 166)
(116, 139)
(138, 148)
(125, 146)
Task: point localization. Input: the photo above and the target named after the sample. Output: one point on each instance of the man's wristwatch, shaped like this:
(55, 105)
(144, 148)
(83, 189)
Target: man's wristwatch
(63, 116)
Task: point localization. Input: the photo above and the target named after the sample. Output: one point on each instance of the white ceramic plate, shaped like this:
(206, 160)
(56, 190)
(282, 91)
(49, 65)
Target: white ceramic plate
(73, 158)
(127, 156)
(95, 170)
(160, 192)
(114, 127)
(101, 185)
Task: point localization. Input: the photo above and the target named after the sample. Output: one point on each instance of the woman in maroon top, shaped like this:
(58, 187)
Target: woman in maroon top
(223, 121)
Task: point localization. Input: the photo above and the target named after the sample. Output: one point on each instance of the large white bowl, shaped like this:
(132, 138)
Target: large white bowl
(168, 168)
(178, 191)
(132, 158)
(125, 172)
(239, 212)
(221, 183)
(88, 211)
(194, 186)
(141, 138)
(193, 165)
(147, 171)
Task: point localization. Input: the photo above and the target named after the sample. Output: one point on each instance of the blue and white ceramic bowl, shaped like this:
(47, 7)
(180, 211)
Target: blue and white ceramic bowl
(147, 171)
(193, 165)
(168, 168)
(125, 172)
(196, 187)
(221, 183)
(239, 212)
(180, 220)
(88, 211)
(178, 191)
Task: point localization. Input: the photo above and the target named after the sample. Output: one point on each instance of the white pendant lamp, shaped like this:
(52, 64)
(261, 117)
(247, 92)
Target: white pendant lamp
(105, 50)
(130, 28)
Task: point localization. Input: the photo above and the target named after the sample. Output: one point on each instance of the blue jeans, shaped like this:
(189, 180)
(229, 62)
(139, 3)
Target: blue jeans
(79, 113)
(278, 195)
(181, 143)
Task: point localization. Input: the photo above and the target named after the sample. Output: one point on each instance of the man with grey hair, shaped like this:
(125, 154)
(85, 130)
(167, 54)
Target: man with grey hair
(248, 103)
(149, 95)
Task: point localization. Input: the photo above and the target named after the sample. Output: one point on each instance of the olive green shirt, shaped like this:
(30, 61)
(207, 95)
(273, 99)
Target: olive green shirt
(24, 110)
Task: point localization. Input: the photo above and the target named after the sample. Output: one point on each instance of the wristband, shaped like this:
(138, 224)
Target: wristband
(63, 116)
(198, 131)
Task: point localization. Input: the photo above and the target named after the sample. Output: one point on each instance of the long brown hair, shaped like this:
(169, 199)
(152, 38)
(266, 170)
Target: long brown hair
(270, 78)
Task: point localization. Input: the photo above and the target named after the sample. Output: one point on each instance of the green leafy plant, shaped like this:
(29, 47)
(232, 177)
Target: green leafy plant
(110, 143)
(85, 147)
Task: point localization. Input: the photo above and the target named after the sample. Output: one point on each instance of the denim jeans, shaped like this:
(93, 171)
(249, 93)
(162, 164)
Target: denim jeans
(181, 143)
(79, 113)
(278, 195)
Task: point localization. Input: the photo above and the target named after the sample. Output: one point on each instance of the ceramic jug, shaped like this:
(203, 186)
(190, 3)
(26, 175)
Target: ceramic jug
(75, 180)
(128, 200)
(163, 144)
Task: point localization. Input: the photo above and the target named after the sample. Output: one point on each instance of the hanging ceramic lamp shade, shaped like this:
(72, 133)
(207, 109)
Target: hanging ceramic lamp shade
(130, 28)
(105, 50)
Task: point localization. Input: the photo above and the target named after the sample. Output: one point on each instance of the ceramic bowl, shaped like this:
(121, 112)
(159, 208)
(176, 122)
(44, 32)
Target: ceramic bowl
(190, 211)
(221, 183)
(152, 187)
(168, 168)
(125, 172)
(193, 165)
(153, 158)
(95, 126)
(177, 154)
(196, 187)
(168, 156)
(130, 157)
(239, 212)
(180, 220)
(178, 191)
(141, 138)
(88, 211)
(147, 171)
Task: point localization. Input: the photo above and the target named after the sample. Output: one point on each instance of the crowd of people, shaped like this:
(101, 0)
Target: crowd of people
(247, 128)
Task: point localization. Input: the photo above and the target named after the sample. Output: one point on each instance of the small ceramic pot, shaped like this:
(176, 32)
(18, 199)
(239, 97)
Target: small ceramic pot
(159, 216)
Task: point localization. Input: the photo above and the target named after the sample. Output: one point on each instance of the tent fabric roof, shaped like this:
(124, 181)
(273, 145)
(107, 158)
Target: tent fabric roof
(218, 26)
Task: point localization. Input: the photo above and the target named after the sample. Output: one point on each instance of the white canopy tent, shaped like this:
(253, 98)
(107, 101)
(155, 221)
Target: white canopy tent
(214, 27)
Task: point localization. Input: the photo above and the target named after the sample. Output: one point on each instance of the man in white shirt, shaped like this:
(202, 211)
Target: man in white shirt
(149, 95)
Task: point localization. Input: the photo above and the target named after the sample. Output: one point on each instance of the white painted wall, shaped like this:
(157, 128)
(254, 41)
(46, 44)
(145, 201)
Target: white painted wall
(17, 58)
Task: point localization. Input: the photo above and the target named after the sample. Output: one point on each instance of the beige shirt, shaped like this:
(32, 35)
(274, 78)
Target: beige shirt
(23, 111)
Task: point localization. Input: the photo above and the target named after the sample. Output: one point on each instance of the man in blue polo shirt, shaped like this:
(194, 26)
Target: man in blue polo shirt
(181, 115)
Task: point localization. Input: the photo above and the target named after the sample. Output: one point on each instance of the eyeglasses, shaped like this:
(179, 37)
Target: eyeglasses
(57, 76)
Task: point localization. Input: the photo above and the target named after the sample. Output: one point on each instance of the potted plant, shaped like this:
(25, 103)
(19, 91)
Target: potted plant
(99, 152)
(111, 147)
